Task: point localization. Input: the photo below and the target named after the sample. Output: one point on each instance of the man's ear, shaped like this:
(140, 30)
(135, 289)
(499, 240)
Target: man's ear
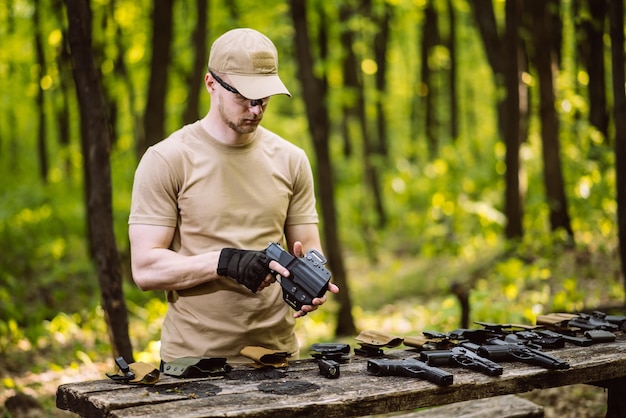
(209, 83)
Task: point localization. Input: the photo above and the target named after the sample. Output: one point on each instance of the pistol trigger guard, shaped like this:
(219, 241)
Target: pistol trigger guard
(411, 372)
(464, 361)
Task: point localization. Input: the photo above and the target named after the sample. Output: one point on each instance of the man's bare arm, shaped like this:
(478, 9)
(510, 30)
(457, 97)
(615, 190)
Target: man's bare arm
(156, 267)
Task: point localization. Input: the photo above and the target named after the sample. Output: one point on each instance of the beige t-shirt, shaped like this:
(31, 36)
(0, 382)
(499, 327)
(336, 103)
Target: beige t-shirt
(219, 196)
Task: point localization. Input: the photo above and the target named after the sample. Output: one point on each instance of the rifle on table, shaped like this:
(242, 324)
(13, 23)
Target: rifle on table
(461, 357)
(409, 367)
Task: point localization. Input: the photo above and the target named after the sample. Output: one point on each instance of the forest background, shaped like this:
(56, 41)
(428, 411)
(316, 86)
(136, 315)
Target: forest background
(466, 157)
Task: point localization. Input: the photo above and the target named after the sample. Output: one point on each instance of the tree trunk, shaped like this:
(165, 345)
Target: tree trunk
(122, 74)
(63, 108)
(503, 55)
(195, 83)
(452, 76)
(42, 146)
(545, 63)
(616, 24)
(10, 139)
(430, 39)
(96, 139)
(319, 127)
(154, 115)
(350, 81)
(355, 108)
(590, 40)
(381, 45)
(513, 197)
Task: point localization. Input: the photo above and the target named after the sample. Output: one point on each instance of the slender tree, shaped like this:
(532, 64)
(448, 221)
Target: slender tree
(356, 109)
(512, 134)
(546, 65)
(383, 21)
(194, 79)
(42, 143)
(154, 115)
(616, 24)
(319, 127)
(590, 18)
(430, 39)
(96, 142)
(452, 76)
(62, 96)
(615, 400)
(499, 52)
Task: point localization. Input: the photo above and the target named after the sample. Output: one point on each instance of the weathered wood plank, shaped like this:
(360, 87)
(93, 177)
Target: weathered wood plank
(302, 391)
(506, 406)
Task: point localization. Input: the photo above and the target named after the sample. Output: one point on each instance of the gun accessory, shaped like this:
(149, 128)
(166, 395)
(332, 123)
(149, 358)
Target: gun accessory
(409, 367)
(197, 367)
(372, 342)
(430, 340)
(135, 373)
(600, 336)
(126, 374)
(461, 357)
(328, 368)
(597, 320)
(558, 322)
(330, 351)
(477, 336)
(579, 341)
(308, 278)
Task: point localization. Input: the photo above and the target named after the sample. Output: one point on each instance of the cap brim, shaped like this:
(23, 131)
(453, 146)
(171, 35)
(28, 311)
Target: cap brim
(258, 86)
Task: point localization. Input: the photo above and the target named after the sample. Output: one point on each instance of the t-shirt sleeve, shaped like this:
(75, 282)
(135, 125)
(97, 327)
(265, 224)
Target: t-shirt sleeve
(155, 191)
(302, 209)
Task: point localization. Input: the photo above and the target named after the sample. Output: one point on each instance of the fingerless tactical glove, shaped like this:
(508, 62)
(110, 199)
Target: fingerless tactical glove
(247, 267)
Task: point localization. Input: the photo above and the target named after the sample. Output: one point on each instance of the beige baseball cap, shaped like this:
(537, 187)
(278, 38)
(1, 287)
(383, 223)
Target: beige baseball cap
(251, 61)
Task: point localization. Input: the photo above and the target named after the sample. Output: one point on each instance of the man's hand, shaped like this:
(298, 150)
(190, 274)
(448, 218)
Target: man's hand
(247, 267)
(298, 251)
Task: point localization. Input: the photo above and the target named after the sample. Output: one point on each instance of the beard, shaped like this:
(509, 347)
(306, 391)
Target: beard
(244, 125)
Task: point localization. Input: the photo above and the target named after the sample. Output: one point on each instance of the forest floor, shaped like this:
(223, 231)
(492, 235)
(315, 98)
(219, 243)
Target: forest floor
(578, 401)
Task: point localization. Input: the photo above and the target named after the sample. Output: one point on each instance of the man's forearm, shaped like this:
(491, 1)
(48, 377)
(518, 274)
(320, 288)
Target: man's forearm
(164, 269)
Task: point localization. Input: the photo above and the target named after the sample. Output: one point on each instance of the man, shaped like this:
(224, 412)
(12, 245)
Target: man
(207, 201)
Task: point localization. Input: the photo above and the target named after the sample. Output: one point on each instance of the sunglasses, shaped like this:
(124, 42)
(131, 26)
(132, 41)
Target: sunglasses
(253, 103)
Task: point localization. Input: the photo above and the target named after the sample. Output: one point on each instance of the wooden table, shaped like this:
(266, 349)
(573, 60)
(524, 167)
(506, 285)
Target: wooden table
(300, 390)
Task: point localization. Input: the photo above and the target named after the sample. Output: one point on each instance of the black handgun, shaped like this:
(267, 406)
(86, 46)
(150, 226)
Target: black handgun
(461, 357)
(499, 350)
(409, 367)
(308, 278)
